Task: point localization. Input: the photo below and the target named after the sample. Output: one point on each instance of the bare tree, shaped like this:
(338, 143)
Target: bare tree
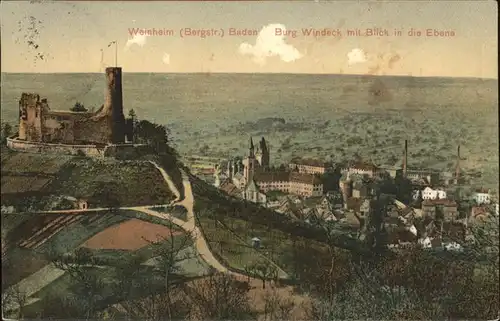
(170, 253)
(82, 268)
(265, 271)
(249, 271)
(276, 306)
(14, 300)
(219, 297)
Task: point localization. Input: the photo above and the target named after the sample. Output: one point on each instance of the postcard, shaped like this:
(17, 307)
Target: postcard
(249, 160)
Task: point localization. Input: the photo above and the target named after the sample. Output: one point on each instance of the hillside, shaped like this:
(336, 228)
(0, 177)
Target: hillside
(100, 182)
(141, 248)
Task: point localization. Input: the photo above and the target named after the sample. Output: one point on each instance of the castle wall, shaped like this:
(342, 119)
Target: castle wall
(37, 147)
(37, 123)
(30, 123)
(97, 131)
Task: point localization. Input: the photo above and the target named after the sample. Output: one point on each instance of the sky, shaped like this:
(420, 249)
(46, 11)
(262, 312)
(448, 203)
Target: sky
(65, 36)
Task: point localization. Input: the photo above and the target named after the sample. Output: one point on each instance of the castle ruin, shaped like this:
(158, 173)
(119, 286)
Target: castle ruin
(39, 123)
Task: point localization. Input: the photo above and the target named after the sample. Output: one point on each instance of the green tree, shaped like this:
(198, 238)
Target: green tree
(6, 132)
(78, 107)
(158, 138)
(133, 118)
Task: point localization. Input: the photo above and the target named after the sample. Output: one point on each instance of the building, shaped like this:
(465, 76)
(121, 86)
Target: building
(256, 169)
(362, 168)
(355, 186)
(440, 209)
(482, 196)
(433, 194)
(253, 194)
(253, 178)
(301, 184)
(204, 165)
(478, 214)
(309, 166)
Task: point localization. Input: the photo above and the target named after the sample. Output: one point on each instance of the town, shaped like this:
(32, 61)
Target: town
(427, 207)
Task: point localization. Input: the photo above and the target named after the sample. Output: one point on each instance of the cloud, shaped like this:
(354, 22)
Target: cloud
(394, 58)
(137, 39)
(268, 44)
(166, 58)
(356, 56)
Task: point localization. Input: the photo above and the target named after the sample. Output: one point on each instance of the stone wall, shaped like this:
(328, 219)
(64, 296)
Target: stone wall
(38, 123)
(36, 147)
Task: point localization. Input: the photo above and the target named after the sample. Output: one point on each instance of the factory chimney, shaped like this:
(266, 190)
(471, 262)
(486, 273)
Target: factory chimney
(457, 169)
(114, 104)
(405, 158)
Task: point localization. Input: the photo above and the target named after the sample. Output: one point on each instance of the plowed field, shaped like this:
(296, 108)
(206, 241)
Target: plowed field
(130, 235)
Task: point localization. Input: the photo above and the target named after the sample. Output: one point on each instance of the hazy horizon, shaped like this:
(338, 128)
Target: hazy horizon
(247, 73)
(83, 37)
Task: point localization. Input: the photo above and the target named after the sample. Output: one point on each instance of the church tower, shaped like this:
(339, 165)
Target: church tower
(264, 157)
(249, 163)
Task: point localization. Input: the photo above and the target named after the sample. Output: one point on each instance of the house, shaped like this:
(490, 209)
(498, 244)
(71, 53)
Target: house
(82, 204)
(400, 238)
(291, 208)
(430, 242)
(433, 194)
(256, 242)
(478, 214)
(440, 209)
(482, 196)
(362, 168)
(453, 246)
(253, 194)
(228, 187)
(309, 166)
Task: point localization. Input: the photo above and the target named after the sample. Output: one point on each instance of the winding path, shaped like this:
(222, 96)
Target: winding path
(48, 274)
(190, 224)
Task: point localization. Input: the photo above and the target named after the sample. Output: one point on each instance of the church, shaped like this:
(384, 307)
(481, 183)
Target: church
(252, 177)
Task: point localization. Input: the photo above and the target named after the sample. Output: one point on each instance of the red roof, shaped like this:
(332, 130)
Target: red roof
(478, 210)
(305, 178)
(230, 188)
(354, 203)
(363, 166)
(309, 162)
(287, 177)
(272, 176)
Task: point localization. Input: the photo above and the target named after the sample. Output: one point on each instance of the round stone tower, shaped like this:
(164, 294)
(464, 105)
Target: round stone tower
(114, 104)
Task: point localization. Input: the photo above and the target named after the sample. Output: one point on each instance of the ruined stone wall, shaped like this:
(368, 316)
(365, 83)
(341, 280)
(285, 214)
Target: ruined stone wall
(30, 117)
(95, 131)
(36, 147)
(76, 128)
(37, 123)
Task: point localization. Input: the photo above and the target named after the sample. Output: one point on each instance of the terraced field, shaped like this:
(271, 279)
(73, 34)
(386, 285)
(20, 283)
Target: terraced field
(33, 163)
(130, 183)
(23, 184)
(127, 183)
(26, 173)
(38, 229)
